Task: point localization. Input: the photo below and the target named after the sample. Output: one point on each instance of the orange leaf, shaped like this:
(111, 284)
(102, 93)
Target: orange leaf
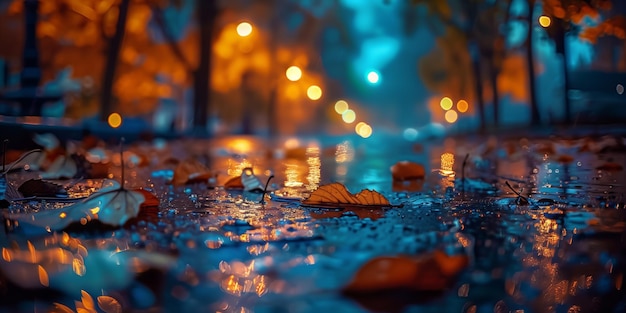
(109, 304)
(189, 172)
(432, 272)
(337, 194)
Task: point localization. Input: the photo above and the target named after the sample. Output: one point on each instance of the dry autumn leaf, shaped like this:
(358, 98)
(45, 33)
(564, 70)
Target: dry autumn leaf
(191, 171)
(109, 304)
(433, 272)
(112, 205)
(337, 195)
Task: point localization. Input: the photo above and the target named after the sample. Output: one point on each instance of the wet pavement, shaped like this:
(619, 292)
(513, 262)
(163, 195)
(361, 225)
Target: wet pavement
(558, 246)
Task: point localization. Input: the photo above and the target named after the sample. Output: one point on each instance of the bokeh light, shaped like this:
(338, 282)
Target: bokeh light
(446, 103)
(358, 126)
(364, 130)
(244, 29)
(619, 88)
(115, 120)
(348, 116)
(293, 73)
(341, 106)
(462, 106)
(314, 92)
(545, 21)
(451, 116)
(373, 77)
(410, 134)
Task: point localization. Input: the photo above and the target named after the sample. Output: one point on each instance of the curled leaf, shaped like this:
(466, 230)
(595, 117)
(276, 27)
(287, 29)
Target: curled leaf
(337, 195)
(109, 304)
(87, 300)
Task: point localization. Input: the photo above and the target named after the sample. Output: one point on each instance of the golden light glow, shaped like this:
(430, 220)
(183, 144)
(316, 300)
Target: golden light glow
(545, 21)
(115, 120)
(244, 29)
(348, 116)
(95, 210)
(451, 116)
(314, 92)
(446, 103)
(63, 215)
(364, 131)
(293, 73)
(358, 126)
(341, 106)
(462, 106)
(313, 160)
(447, 163)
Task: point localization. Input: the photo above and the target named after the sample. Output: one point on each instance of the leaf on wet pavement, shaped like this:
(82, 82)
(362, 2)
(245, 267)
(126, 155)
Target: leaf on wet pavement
(109, 304)
(112, 205)
(42, 188)
(247, 181)
(336, 194)
(191, 171)
(435, 271)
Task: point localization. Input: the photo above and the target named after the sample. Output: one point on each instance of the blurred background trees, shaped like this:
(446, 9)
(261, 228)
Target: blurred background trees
(270, 66)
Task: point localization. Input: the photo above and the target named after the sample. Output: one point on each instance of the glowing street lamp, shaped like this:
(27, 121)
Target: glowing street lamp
(545, 21)
(293, 73)
(244, 29)
(341, 106)
(115, 120)
(314, 92)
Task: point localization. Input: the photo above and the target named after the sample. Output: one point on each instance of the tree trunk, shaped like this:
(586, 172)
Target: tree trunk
(493, 80)
(480, 99)
(113, 52)
(535, 118)
(207, 10)
(567, 103)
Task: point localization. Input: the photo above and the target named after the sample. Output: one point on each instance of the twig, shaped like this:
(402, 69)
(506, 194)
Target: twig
(267, 183)
(517, 193)
(122, 162)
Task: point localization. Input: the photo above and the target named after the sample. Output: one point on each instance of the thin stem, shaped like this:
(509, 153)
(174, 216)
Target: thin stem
(22, 157)
(122, 161)
(517, 193)
(267, 183)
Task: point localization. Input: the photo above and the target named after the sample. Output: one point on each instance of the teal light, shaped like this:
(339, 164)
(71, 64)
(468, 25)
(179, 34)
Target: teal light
(373, 77)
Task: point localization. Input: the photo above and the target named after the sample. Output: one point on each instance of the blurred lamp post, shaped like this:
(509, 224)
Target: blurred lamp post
(28, 96)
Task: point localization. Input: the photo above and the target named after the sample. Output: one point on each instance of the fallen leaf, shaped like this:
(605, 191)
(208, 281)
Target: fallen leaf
(87, 300)
(432, 272)
(42, 188)
(246, 181)
(191, 171)
(63, 167)
(109, 304)
(337, 195)
(407, 170)
(112, 205)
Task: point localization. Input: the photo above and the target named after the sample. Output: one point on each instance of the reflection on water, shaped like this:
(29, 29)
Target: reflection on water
(221, 250)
